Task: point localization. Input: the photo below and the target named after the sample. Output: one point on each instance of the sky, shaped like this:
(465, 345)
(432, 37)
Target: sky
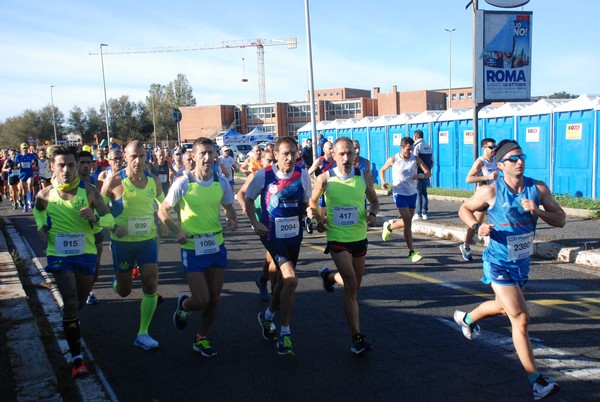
(355, 44)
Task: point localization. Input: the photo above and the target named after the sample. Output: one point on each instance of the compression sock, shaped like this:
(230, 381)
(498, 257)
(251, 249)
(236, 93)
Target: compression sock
(533, 377)
(284, 330)
(468, 319)
(147, 308)
(30, 194)
(73, 335)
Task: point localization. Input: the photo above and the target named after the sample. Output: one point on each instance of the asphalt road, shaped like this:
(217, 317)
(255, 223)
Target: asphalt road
(406, 310)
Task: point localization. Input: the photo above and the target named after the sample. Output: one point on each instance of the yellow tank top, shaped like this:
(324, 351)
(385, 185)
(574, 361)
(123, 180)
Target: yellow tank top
(200, 211)
(135, 210)
(69, 234)
(345, 200)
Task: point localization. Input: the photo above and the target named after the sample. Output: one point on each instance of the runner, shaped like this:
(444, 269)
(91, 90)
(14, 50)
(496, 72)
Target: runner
(513, 210)
(269, 270)
(483, 171)
(252, 163)
(116, 162)
(26, 161)
(227, 160)
(345, 187)
(284, 189)
(85, 162)
(404, 175)
(44, 171)
(200, 195)
(13, 173)
(64, 214)
(132, 193)
(323, 163)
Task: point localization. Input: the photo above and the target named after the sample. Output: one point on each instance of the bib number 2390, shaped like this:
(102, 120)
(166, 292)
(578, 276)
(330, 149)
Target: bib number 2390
(520, 246)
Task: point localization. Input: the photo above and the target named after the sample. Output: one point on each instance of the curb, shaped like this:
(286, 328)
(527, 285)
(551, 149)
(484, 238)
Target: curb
(544, 249)
(31, 368)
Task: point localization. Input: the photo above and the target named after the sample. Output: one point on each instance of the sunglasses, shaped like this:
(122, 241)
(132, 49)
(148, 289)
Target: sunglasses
(491, 147)
(514, 158)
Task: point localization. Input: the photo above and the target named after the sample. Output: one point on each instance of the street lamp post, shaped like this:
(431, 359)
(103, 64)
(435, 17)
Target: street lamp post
(105, 100)
(53, 117)
(449, 30)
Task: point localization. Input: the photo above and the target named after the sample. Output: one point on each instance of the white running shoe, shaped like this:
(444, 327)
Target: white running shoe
(416, 217)
(145, 342)
(424, 217)
(469, 331)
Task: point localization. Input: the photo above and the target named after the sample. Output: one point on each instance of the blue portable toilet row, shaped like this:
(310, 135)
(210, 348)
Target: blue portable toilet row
(559, 136)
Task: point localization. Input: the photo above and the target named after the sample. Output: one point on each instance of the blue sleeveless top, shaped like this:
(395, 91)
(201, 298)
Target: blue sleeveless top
(511, 239)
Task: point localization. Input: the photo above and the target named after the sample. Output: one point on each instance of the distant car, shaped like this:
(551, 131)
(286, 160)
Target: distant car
(240, 151)
(187, 146)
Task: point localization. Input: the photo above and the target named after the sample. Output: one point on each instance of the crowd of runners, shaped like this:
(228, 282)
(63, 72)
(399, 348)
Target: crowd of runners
(138, 193)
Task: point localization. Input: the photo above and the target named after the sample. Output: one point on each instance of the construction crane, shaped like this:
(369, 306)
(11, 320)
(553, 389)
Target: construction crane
(259, 44)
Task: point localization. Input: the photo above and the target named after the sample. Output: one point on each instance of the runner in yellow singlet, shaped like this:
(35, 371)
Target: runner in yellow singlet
(65, 214)
(132, 193)
(345, 187)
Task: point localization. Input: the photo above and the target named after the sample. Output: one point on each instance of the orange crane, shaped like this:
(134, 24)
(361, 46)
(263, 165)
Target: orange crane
(291, 43)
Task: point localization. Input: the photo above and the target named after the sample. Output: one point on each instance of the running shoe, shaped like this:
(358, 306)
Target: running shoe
(387, 231)
(15, 206)
(469, 331)
(359, 345)
(284, 345)
(262, 289)
(416, 217)
(79, 368)
(543, 389)
(145, 342)
(114, 285)
(424, 217)
(414, 256)
(308, 225)
(92, 299)
(135, 272)
(204, 347)
(181, 316)
(267, 327)
(25, 207)
(327, 284)
(466, 252)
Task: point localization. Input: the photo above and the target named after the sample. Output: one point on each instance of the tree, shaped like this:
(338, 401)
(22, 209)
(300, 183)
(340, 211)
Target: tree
(94, 125)
(77, 123)
(562, 95)
(19, 129)
(180, 93)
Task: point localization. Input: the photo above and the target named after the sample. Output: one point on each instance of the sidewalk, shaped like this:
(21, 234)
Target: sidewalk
(34, 379)
(577, 242)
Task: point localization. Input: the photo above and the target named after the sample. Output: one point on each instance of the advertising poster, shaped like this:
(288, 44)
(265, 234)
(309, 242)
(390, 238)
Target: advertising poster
(532, 134)
(506, 55)
(574, 131)
(443, 138)
(468, 137)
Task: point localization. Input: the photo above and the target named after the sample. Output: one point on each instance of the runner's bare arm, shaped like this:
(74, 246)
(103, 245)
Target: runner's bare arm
(552, 213)
(481, 200)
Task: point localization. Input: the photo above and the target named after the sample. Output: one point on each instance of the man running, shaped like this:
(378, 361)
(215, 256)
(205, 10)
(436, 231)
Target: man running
(44, 172)
(26, 161)
(483, 171)
(65, 214)
(404, 175)
(132, 193)
(345, 187)
(513, 205)
(284, 189)
(200, 195)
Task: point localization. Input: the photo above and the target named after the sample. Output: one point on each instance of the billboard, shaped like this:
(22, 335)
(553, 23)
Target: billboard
(504, 64)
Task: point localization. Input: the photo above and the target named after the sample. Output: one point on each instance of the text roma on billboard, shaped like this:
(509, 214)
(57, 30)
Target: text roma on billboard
(505, 61)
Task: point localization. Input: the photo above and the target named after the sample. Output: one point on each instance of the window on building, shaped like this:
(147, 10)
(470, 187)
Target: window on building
(462, 96)
(470, 96)
(453, 97)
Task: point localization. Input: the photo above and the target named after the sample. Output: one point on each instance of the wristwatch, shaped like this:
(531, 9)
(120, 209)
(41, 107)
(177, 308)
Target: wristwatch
(475, 226)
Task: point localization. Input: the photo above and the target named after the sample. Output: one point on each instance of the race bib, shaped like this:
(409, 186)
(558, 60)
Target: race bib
(70, 243)
(520, 246)
(345, 216)
(15, 172)
(206, 244)
(163, 178)
(287, 227)
(25, 165)
(139, 225)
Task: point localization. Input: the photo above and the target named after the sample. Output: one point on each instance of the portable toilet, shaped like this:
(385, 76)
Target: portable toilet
(397, 128)
(444, 141)
(345, 128)
(465, 138)
(423, 122)
(597, 166)
(499, 123)
(535, 136)
(377, 144)
(574, 133)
